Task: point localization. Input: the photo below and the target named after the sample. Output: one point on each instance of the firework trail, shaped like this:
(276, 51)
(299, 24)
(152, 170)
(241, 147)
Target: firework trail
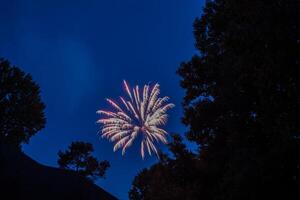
(141, 113)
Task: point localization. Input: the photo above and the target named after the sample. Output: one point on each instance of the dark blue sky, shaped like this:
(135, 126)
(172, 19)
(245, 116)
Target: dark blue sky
(80, 51)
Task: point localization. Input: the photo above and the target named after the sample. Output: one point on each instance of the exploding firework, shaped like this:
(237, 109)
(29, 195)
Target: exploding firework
(138, 114)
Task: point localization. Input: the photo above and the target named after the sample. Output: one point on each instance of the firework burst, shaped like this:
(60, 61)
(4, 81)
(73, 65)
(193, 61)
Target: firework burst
(141, 113)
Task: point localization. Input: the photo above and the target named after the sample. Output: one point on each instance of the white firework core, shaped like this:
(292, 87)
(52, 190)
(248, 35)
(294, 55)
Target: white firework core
(141, 114)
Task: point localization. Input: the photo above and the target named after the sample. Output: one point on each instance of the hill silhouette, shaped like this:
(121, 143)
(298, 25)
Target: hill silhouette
(24, 178)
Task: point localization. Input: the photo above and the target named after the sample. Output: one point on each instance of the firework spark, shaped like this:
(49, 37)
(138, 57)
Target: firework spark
(142, 113)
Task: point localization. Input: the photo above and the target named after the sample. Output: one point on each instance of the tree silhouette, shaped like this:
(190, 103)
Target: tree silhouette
(79, 158)
(169, 179)
(241, 106)
(21, 108)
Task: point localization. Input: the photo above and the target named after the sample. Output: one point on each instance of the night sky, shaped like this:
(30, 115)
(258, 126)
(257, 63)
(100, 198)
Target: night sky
(80, 51)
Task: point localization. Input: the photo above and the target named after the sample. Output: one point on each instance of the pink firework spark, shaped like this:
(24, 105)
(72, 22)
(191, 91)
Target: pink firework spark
(141, 114)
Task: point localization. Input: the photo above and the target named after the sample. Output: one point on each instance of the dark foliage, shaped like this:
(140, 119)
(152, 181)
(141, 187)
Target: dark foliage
(241, 106)
(79, 158)
(170, 178)
(21, 109)
(21, 117)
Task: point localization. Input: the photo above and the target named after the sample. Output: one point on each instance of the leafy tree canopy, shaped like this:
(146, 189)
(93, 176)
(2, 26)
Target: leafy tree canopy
(79, 158)
(21, 108)
(241, 105)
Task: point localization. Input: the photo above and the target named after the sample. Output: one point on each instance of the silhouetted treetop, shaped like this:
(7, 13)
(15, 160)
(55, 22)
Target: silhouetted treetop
(241, 106)
(169, 179)
(79, 158)
(21, 108)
